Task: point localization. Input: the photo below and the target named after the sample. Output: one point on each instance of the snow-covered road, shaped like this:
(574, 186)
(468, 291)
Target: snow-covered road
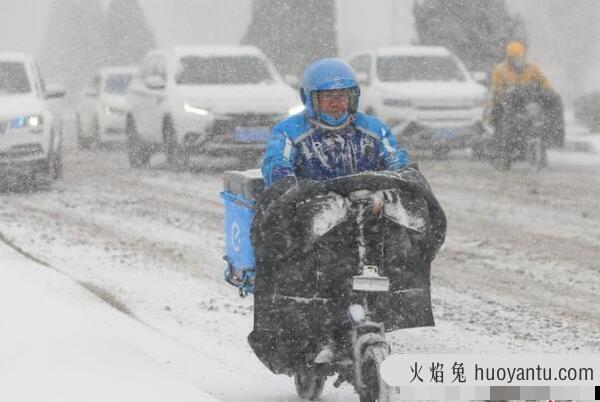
(519, 271)
(60, 343)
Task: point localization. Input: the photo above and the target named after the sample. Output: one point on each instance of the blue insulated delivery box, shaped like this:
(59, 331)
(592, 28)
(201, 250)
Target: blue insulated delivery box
(241, 190)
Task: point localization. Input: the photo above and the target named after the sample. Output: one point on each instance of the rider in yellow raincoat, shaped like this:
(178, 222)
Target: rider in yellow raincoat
(515, 71)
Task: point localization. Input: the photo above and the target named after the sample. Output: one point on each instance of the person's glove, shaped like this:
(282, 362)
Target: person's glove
(373, 199)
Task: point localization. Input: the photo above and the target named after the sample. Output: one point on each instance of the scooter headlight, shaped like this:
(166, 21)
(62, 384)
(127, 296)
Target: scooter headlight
(356, 313)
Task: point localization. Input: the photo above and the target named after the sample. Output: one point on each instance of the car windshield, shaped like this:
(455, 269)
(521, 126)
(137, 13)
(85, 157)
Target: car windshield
(13, 78)
(223, 70)
(117, 84)
(418, 68)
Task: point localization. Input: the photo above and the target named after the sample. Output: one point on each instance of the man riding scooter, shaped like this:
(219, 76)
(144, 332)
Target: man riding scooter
(331, 138)
(343, 236)
(515, 72)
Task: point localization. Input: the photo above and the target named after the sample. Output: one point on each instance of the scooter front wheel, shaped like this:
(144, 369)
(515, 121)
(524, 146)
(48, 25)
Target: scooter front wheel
(539, 155)
(309, 385)
(375, 388)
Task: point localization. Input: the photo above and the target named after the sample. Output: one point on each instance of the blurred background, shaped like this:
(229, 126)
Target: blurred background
(72, 38)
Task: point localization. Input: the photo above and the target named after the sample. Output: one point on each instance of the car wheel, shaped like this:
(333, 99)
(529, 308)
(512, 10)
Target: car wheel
(96, 141)
(478, 152)
(82, 143)
(137, 153)
(177, 156)
(58, 163)
(441, 152)
(42, 180)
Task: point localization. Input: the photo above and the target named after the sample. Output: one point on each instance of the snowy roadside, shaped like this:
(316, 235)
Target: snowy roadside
(59, 342)
(579, 138)
(585, 142)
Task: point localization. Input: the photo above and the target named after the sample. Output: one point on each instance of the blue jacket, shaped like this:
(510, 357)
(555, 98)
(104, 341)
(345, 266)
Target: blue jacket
(298, 147)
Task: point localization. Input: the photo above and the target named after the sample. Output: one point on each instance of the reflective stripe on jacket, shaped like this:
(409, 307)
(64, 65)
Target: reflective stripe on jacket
(299, 148)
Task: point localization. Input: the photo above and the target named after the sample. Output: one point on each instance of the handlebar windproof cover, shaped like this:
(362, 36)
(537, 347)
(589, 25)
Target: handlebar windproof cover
(305, 239)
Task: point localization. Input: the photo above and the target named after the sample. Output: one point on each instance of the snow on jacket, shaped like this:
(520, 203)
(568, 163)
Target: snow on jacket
(300, 147)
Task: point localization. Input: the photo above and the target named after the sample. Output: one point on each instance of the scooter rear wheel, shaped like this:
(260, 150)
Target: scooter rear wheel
(309, 385)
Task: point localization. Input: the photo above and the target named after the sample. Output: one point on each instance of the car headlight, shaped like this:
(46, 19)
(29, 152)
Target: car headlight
(189, 108)
(296, 109)
(394, 102)
(33, 121)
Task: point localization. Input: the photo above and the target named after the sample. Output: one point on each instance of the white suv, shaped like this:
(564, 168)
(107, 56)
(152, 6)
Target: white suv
(101, 108)
(30, 133)
(218, 99)
(424, 93)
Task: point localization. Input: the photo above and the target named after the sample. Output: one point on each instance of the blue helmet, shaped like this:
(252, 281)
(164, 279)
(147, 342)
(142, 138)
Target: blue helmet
(325, 75)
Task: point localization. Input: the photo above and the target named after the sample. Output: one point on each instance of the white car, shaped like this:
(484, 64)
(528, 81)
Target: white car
(217, 99)
(424, 93)
(101, 109)
(30, 132)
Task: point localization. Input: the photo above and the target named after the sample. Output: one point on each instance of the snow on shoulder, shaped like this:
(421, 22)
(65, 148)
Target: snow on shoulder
(61, 343)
